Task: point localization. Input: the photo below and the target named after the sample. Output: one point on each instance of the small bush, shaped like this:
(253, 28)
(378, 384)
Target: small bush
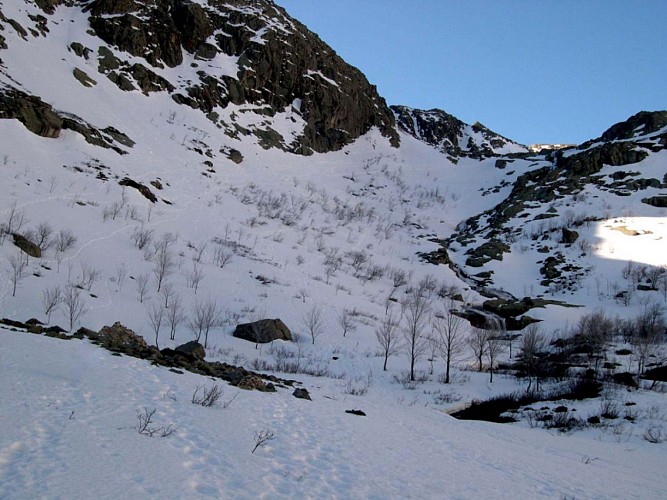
(564, 422)
(609, 409)
(207, 396)
(146, 426)
(655, 434)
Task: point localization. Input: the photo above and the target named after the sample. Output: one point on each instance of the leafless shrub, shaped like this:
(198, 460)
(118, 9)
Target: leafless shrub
(89, 276)
(65, 240)
(655, 433)
(221, 256)
(142, 237)
(609, 409)
(263, 437)
(208, 396)
(359, 386)
(146, 426)
(121, 274)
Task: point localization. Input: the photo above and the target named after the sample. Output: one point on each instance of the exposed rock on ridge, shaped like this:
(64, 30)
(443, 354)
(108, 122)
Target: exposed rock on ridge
(452, 136)
(280, 65)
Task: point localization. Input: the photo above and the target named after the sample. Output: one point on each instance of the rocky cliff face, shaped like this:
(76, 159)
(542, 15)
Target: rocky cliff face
(452, 136)
(248, 55)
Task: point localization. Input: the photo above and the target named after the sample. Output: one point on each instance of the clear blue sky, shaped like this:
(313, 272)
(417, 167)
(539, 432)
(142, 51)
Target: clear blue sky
(542, 71)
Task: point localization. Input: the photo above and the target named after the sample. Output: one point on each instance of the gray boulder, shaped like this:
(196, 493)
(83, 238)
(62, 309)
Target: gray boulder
(263, 331)
(193, 348)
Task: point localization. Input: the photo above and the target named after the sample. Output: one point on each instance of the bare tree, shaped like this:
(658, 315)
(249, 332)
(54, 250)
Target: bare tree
(398, 278)
(164, 266)
(416, 311)
(194, 277)
(531, 354)
(313, 322)
(302, 293)
(65, 240)
(51, 297)
(449, 331)
(89, 276)
(388, 337)
(648, 328)
(43, 236)
(199, 253)
(17, 266)
(494, 348)
(121, 274)
(155, 317)
(75, 306)
(142, 285)
(205, 316)
(478, 341)
(175, 315)
(167, 292)
(346, 321)
(357, 260)
(14, 222)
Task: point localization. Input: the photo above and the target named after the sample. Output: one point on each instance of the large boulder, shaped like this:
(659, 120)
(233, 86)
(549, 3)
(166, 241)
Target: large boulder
(193, 348)
(263, 331)
(27, 246)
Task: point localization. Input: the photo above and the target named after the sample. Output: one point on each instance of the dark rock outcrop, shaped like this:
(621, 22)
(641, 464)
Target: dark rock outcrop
(36, 115)
(144, 190)
(449, 134)
(263, 331)
(643, 123)
(27, 246)
(569, 236)
(282, 65)
(41, 119)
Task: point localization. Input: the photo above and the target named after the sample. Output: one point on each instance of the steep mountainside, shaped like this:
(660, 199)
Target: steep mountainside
(225, 59)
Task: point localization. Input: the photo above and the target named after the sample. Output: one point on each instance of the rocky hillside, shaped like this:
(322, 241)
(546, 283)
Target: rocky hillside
(451, 136)
(553, 198)
(245, 64)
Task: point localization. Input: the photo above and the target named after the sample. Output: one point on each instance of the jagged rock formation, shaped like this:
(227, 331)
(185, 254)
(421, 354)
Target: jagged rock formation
(248, 55)
(452, 136)
(641, 124)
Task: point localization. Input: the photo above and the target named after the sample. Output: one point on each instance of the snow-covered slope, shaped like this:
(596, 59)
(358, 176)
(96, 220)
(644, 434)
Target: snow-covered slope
(74, 435)
(141, 203)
